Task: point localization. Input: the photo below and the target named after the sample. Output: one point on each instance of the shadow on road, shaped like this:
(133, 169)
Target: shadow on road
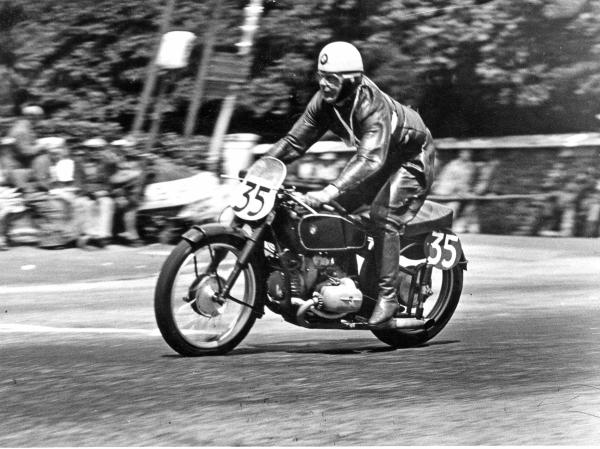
(346, 347)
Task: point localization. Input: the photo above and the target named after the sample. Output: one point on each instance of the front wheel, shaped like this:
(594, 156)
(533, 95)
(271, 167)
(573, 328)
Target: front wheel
(189, 315)
(446, 288)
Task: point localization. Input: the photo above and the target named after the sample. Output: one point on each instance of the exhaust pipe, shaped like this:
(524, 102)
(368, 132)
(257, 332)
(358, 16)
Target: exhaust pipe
(395, 323)
(305, 306)
(410, 324)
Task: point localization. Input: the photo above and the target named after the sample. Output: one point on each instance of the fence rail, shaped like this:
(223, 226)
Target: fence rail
(507, 197)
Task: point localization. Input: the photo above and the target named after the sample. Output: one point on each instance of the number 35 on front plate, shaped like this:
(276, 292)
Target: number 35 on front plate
(443, 250)
(253, 200)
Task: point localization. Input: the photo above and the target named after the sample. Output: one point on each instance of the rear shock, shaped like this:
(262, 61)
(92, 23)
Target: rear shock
(424, 290)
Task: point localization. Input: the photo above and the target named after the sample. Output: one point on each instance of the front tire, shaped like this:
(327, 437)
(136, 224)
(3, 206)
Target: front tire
(189, 319)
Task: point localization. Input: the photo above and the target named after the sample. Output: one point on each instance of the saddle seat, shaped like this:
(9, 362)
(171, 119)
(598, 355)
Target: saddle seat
(430, 217)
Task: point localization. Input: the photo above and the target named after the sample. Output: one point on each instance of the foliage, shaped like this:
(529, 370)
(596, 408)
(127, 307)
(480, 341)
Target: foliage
(471, 67)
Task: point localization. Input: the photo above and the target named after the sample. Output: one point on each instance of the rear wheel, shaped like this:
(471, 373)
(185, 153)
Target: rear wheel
(446, 286)
(190, 318)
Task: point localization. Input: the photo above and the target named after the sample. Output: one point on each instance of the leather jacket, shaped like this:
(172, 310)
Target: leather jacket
(383, 143)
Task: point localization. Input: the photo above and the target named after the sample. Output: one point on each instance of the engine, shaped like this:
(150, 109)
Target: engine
(340, 296)
(316, 282)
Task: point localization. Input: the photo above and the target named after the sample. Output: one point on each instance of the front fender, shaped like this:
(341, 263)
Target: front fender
(197, 233)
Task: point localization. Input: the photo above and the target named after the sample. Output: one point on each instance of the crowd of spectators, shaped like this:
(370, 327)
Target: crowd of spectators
(571, 206)
(566, 202)
(85, 194)
(88, 193)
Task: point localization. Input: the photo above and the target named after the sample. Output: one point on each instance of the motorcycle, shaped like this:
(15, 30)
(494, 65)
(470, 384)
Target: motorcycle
(314, 268)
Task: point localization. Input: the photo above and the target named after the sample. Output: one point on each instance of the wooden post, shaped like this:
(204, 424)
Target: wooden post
(207, 50)
(163, 82)
(152, 71)
(216, 141)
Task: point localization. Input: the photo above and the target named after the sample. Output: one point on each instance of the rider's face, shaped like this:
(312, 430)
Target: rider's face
(330, 85)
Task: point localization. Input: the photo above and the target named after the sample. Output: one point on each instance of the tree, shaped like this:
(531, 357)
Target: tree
(471, 67)
(10, 15)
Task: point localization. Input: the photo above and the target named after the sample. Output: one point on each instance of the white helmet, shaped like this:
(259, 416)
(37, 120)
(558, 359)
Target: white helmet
(340, 57)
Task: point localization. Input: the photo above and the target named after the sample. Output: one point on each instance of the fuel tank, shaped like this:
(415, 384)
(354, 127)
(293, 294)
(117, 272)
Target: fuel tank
(329, 232)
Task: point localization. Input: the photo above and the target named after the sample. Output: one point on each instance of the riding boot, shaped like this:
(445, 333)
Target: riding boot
(387, 258)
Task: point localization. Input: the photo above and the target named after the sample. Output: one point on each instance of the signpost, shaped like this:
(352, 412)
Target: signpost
(173, 53)
(222, 73)
(152, 72)
(207, 52)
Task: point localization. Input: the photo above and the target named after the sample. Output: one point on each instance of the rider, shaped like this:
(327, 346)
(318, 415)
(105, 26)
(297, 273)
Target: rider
(392, 169)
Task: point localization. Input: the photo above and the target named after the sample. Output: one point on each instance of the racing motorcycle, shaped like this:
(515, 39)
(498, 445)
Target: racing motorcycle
(315, 268)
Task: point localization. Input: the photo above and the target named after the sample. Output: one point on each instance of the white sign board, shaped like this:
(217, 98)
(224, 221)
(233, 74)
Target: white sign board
(175, 49)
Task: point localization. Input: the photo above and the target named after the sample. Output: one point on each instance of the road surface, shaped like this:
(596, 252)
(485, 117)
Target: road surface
(82, 363)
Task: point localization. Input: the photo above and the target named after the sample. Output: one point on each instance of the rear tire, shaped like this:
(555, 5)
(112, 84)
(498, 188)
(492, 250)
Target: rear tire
(189, 321)
(441, 312)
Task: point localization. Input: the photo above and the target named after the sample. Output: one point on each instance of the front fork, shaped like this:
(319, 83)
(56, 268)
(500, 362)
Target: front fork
(240, 264)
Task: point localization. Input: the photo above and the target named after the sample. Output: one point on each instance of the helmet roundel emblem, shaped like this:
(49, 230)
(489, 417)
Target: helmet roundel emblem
(324, 59)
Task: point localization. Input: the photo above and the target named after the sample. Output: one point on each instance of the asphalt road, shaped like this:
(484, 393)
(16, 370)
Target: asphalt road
(82, 363)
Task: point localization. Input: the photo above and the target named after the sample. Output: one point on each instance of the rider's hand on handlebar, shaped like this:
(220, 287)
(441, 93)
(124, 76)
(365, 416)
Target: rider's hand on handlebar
(318, 197)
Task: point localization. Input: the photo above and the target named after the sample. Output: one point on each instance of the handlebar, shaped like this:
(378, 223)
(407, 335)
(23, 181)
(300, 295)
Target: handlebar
(292, 193)
(334, 206)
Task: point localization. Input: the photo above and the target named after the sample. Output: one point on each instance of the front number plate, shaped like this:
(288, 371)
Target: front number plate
(253, 200)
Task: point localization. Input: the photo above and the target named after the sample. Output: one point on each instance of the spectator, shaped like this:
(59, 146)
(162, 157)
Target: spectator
(559, 210)
(95, 165)
(61, 169)
(55, 208)
(455, 180)
(30, 163)
(10, 200)
(549, 214)
(569, 200)
(129, 183)
(590, 206)
(485, 172)
(587, 203)
(23, 130)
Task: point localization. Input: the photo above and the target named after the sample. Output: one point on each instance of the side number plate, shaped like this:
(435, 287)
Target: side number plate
(443, 250)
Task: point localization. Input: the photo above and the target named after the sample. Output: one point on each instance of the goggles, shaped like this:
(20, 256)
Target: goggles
(331, 79)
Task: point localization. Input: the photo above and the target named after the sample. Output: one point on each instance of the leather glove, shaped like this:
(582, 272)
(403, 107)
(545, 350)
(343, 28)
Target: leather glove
(315, 198)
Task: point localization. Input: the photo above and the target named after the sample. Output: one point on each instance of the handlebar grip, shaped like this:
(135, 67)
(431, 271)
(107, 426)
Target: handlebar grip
(334, 206)
(338, 207)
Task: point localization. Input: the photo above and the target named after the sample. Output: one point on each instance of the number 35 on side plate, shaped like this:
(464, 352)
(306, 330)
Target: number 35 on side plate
(443, 250)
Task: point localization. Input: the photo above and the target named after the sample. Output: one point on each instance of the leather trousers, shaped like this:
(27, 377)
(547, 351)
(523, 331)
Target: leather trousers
(393, 205)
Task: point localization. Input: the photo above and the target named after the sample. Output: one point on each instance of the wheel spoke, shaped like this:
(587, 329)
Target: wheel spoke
(184, 307)
(201, 321)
